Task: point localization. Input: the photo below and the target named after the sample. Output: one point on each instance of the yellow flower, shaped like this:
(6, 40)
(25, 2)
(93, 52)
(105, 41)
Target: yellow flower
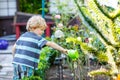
(70, 39)
(118, 77)
(75, 27)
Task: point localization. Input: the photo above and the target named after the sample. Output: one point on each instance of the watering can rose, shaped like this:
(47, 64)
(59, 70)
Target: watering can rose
(73, 54)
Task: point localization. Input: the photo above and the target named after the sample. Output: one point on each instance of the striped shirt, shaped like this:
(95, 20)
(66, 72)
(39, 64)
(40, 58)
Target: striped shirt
(28, 48)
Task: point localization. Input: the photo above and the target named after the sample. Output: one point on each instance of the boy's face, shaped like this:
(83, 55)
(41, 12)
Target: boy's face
(40, 31)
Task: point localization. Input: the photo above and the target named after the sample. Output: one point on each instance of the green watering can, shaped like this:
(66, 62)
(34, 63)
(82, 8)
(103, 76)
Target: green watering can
(73, 54)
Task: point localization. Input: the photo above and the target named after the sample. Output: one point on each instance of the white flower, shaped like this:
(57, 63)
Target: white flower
(92, 33)
(57, 16)
(60, 25)
(58, 34)
(90, 40)
(79, 39)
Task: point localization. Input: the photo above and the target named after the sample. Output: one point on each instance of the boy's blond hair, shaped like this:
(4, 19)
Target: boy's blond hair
(36, 21)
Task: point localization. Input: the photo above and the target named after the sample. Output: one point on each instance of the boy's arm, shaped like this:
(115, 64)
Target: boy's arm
(56, 46)
(13, 49)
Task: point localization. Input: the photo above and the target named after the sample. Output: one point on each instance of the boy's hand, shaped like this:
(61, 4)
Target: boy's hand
(65, 51)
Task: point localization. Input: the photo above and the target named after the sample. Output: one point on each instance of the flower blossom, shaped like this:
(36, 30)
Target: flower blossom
(58, 34)
(79, 39)
(86, 40)
(57, 16)
(60, 25)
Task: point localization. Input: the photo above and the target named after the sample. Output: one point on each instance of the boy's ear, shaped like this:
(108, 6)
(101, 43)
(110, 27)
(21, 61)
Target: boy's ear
(29, 29)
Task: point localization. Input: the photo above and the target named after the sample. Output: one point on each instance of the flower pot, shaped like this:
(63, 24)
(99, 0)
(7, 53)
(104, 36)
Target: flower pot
(3, 44)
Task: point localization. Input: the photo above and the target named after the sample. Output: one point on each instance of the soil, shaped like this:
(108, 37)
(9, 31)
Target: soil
(54, 73)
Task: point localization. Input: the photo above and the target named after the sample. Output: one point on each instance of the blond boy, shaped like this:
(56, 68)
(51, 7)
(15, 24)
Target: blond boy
(26, 50)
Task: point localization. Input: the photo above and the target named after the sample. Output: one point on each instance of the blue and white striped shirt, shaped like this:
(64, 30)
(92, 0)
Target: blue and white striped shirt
(28, 48)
